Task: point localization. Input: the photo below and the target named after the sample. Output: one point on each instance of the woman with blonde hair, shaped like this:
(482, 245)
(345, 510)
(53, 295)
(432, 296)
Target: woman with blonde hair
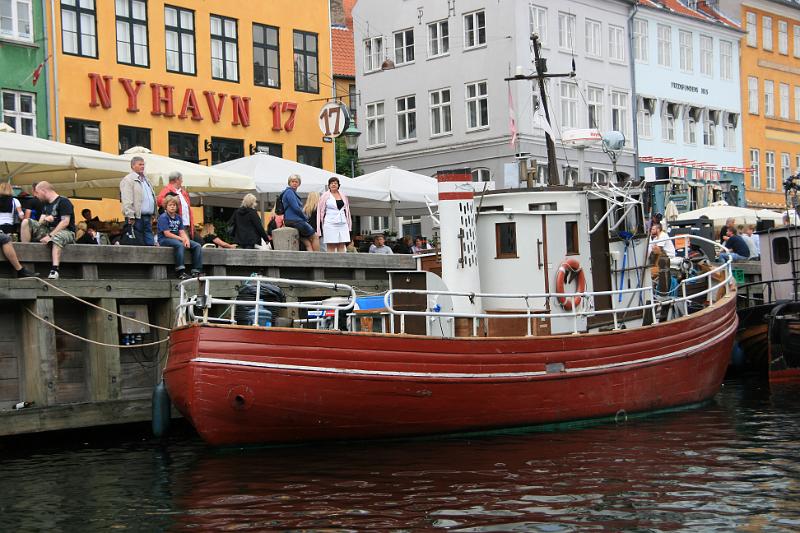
(333, 217)
(246, 226)
(310, 208)
(9, 206)
(209, 235)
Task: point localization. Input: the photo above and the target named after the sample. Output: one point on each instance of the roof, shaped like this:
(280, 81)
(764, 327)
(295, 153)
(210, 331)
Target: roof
(702, 10)
(344, 62)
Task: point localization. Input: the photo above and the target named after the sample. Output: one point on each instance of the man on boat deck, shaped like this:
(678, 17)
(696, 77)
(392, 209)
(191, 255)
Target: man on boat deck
(660, 238)
(738, 248)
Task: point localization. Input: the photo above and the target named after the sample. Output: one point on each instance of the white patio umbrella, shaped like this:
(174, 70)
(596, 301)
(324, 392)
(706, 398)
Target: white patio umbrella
(408, 193)
(768, 214)
(719, 213)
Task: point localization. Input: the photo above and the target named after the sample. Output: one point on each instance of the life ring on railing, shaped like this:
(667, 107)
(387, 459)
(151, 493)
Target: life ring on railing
(568, 270)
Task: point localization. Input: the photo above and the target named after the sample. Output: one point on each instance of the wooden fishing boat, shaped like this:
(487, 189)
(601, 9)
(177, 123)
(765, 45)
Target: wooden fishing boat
(465, 352)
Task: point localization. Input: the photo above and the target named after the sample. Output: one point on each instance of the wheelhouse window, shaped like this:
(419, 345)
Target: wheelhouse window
(506, 240)
(15, 20)
(438, 38)
(79, 27)
(132, 48)
(306, 62)
(19, 111)
(571, 233)
(266, 56)
(780, 250)
(180, 40)
(224, 49)
(130, 137)
(404, 47)
(82, 133)
(183, 146)
(481, 175)
(474, 29)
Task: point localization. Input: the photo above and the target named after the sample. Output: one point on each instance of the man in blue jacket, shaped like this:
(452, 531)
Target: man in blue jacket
(294, 217)
(739, 251)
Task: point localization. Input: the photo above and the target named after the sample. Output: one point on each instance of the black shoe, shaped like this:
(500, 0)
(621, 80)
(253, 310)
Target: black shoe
(197, 273)
(25, 273)
(184, 276)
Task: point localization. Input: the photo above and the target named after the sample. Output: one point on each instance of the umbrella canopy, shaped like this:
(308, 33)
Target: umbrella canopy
(719, 213)
(768, 214)
(409, 193)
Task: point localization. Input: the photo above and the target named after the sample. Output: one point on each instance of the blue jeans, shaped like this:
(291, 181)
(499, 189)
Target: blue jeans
(733, 255)
(177, 246)
(302, 227)
(145, 225)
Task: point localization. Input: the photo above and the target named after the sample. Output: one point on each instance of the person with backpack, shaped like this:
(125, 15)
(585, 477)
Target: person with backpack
(294, 217)
(246, 226)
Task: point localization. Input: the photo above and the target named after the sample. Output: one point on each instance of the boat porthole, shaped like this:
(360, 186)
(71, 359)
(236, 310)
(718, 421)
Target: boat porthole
(621, 416)
(241, 397)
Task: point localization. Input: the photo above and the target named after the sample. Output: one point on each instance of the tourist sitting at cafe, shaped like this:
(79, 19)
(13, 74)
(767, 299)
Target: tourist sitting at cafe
(210, 238)
(10, 209)
(738, 250)
(172, 234)
(379, 246)
(56, 226)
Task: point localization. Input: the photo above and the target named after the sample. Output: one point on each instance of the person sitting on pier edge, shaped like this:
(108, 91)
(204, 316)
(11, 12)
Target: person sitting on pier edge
(755, 238)
(736, 245)
(723, 233)
(294, 217)
(9, 208)
(751, 246)
(11, 255)
(246, 226)
(175, 188)
(660, 238)
(172, 234)
(378, 246)
(138, 200)
(31, 205)
(56, 225)
(210, 237)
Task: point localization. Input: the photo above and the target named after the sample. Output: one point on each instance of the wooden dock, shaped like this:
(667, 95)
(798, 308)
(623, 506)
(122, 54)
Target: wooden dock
(75, 384)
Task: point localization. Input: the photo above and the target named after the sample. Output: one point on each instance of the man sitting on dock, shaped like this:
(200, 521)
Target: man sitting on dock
(11, 256)
(56, 225)
(738, 250)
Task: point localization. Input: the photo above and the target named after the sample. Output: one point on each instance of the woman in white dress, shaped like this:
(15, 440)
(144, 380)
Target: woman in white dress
(333, 218)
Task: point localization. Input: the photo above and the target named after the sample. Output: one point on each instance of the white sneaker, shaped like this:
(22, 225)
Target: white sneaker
(53, 274)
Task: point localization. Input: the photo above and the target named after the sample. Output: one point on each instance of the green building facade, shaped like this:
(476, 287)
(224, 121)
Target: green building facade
(23, 47)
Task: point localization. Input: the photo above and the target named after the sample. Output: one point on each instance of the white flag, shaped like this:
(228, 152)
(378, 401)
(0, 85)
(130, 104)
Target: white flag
(540, 120)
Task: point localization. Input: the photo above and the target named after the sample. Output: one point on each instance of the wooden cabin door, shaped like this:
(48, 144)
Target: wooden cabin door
(598, 248)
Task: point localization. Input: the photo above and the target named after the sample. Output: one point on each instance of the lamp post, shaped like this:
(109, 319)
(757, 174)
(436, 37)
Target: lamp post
(351, 135)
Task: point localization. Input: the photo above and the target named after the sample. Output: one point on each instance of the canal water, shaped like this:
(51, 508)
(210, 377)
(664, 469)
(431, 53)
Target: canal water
(733, 464)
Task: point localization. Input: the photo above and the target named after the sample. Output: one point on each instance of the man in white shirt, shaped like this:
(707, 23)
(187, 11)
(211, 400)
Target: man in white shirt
(660, 238)
(379, 246)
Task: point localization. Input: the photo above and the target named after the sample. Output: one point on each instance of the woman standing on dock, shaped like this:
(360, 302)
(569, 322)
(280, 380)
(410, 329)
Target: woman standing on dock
(333, 218)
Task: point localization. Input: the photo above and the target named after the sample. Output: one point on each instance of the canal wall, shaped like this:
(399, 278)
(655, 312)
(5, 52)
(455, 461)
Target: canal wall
(75, 384)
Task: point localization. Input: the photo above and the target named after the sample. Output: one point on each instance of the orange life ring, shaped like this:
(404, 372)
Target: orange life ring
(565, 269)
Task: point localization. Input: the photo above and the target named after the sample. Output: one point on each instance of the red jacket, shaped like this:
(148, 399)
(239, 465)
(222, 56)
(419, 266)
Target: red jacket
(170, 189)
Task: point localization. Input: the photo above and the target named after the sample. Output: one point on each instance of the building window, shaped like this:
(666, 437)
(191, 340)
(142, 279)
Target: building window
(406, 118)
(769, 170)
(664, 45)
(306, 63)
(224, 49)
(404, 47)
(619, 112)
(569, 105)
(796, 41)
(179, 33)
(640, 40)
(725, 60)
(644, 117)
(474, 29)
(132, 33)
(506, 240)
(769, 98)
(755, 170)
(783, 37)
(82, 133)
(376, 126)
(797, 103)
(783, 92)
(130, 137)
(786, 170)
(477, 101)
(594, 38)
(616, 43)
(571, 233)
(19, 112)
(706, 55)
(668, 113)
(766, 33)
(481, 175)
(729, 139)
(594, 101)
(599, 176)
(373, 54)
(538, 22)
(690, 127)
(751, 27)
(15, 19)
(310, 155)
(438, 38)
(273, 149)
(752, 95)
(685, 44)
(710, 128)
(223, 149)
(566, 31)
(79, 27)
(183, 146)
(441, 123)
(266, 56)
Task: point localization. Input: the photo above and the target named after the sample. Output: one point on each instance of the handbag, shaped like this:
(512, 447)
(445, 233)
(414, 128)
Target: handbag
(131, 236)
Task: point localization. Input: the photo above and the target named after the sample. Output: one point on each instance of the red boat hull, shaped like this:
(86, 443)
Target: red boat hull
(241, 385)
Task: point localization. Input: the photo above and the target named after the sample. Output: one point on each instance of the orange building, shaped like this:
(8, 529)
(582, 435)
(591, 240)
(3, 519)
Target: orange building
(202, 81)
(770, 77)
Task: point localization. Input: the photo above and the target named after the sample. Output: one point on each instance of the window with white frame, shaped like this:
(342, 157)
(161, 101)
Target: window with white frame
(755, 169)
(690, 126)
(180, 40)
(373, 54)
(438, 38)
(594, 101)
(477, 101)
(752, 95)
(766, 33)
(376, 125)
(640, 40)
(725, 60)
(783, 91)
(224, 48)
(481, 175)
(796, 41)
(706, 55)
(79, 27)
(406, 118)
(599, 176)
(751, 26)
(538, 22)
(710, 128)
(616, 43)
(15, 20)
(441, 121)
(404, 47)
(769, 170)
(644, 117)
(566, 31)
(474, 29)
(619, 112)
(783, 37)
(664, 45)
(797, 103)
(19, 111)
(569, 105)
(131, 18)
(594, 38)
(786, 166)
(769, 98)
(686, 52)
(729, 134)
(668, 113)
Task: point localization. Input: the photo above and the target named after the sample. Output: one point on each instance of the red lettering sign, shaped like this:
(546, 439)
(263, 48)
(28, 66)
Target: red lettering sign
(241, 110)
(133, 94)
(162, 94)
(283, 107)
(291, 107)
(214, 109)
(275, 107)
(190, 104)
(101, 90)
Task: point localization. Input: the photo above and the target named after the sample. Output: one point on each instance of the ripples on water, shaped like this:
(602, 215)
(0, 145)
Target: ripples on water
(730, 465)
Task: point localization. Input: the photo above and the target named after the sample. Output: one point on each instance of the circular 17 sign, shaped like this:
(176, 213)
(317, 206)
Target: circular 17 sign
(333, 119)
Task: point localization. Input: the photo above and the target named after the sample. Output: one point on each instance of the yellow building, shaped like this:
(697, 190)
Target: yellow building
(770, 77)
(203, 81)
